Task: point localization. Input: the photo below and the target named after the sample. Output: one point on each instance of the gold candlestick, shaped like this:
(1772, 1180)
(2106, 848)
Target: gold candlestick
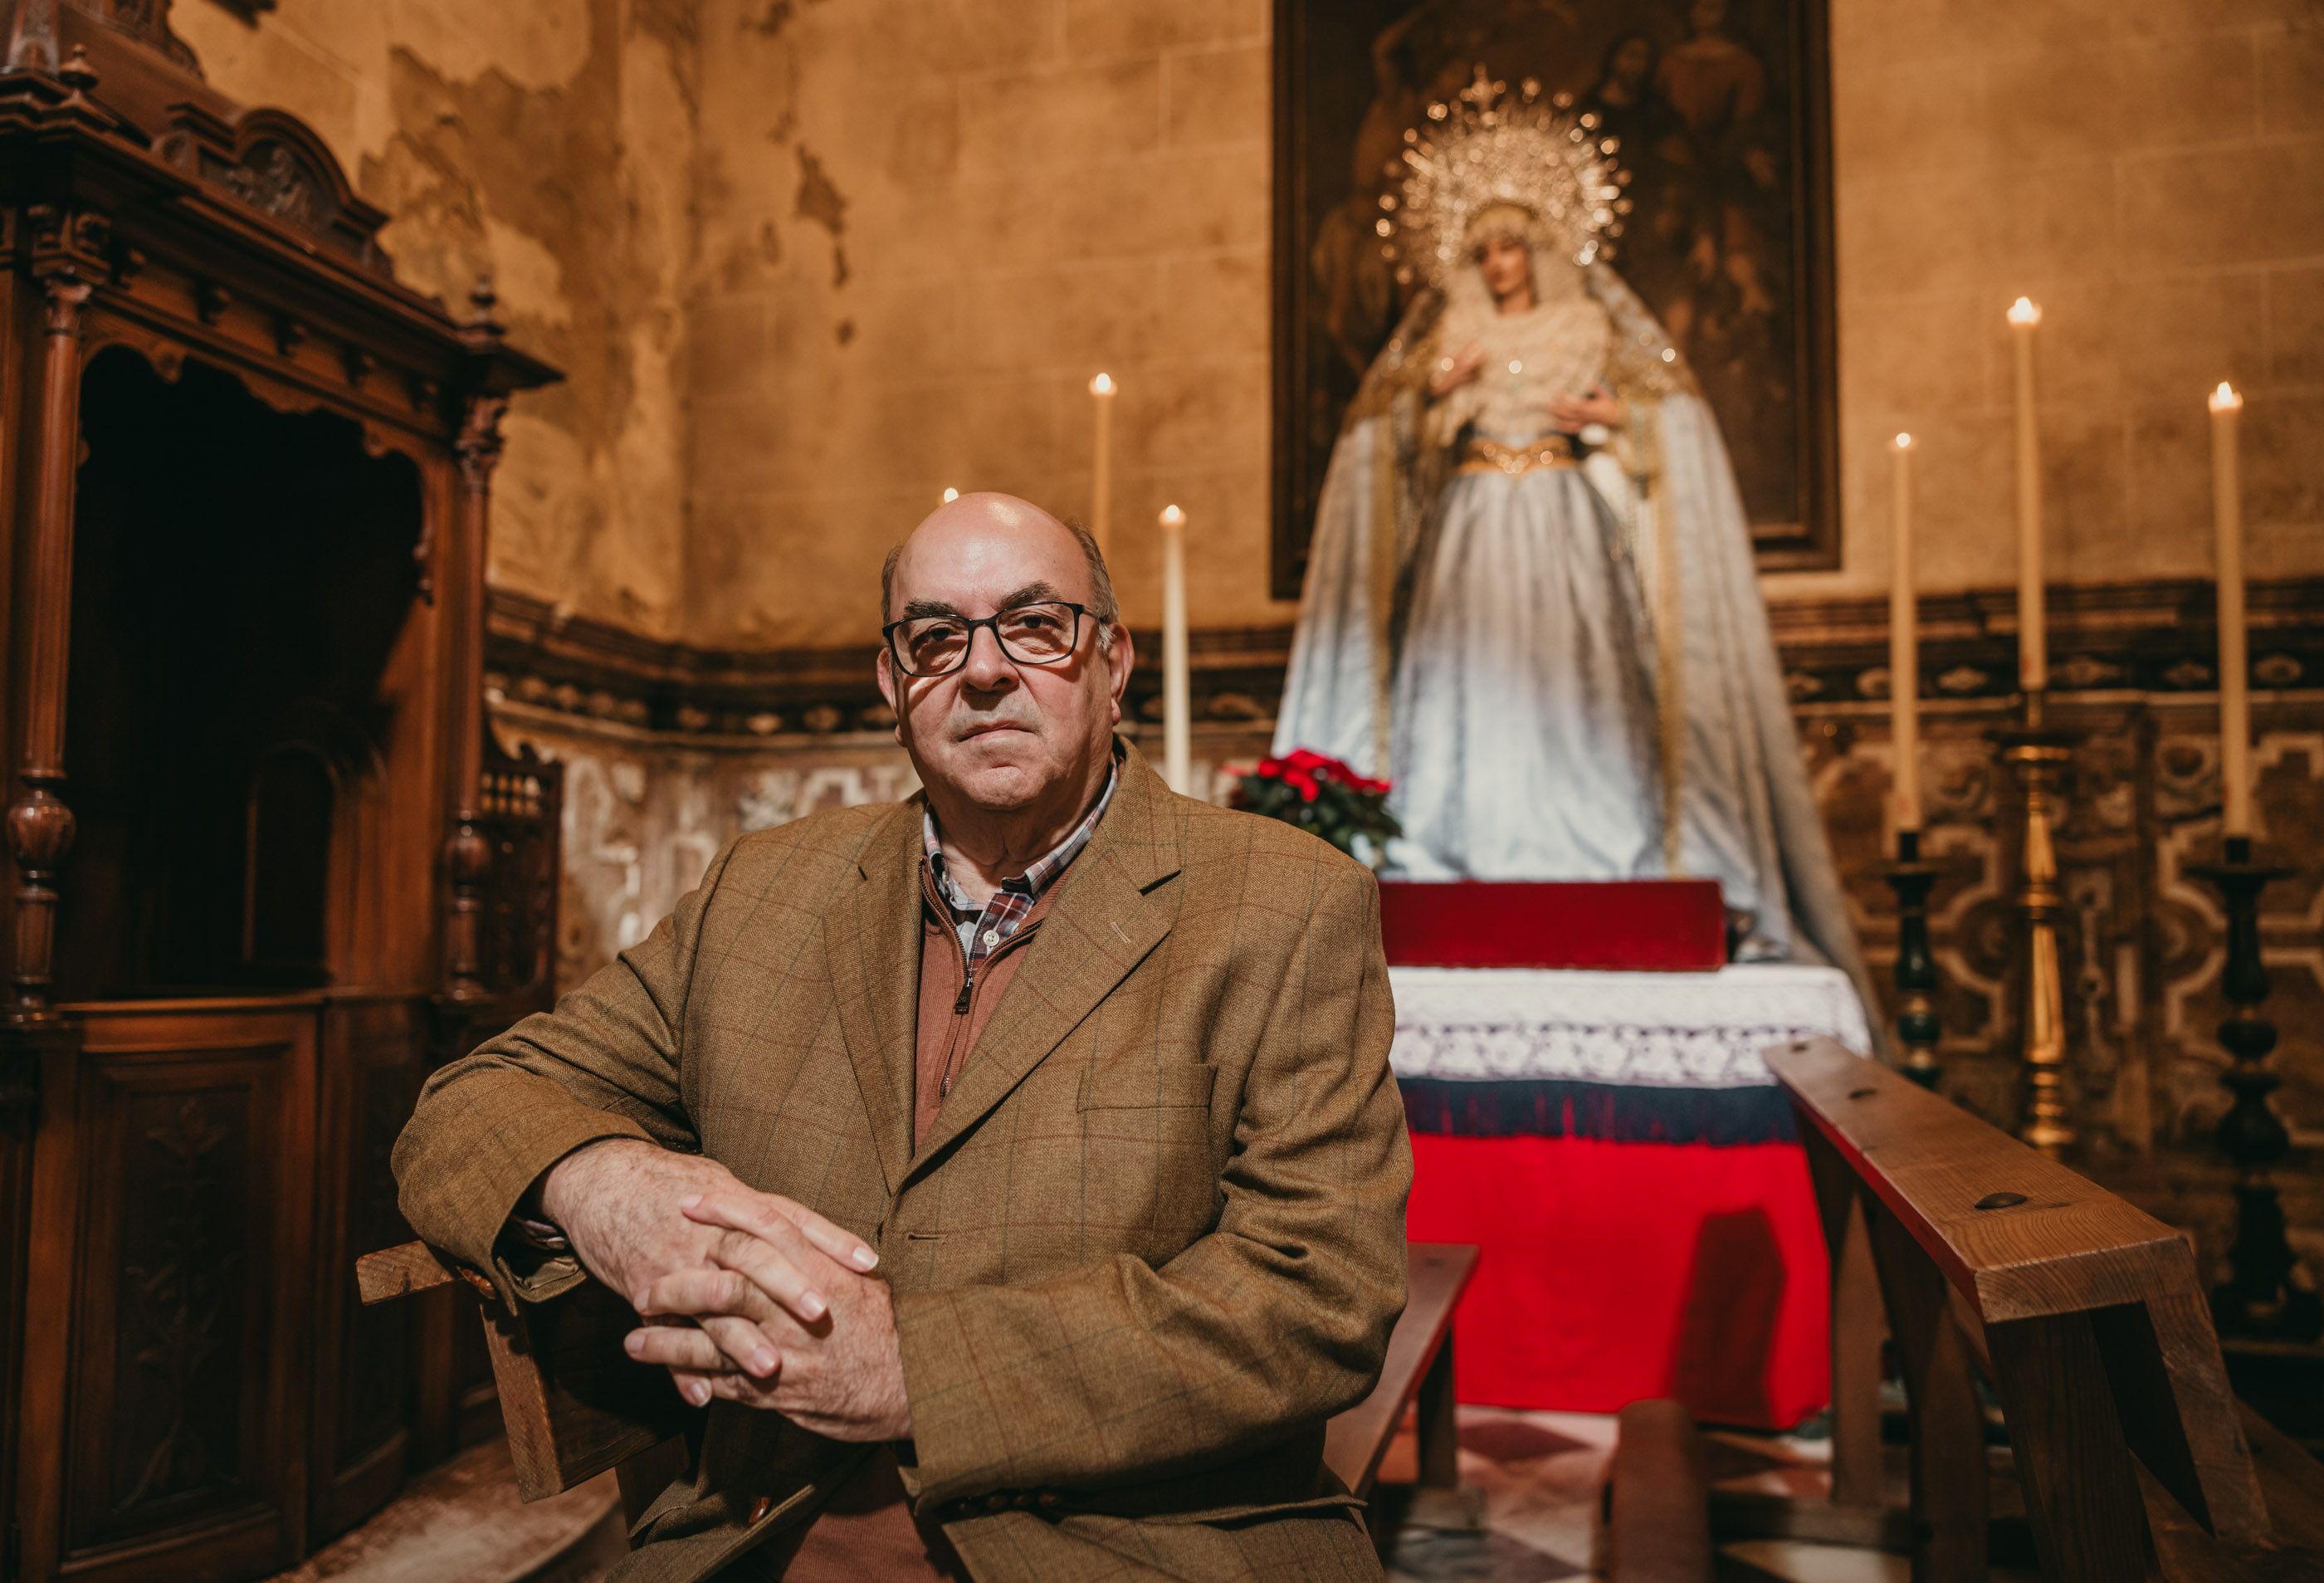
(1917, 1029)
(2039, 755)
(2267, 1295)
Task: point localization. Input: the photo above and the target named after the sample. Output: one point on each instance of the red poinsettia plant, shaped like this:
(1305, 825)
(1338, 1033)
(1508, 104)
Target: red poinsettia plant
(1323, 796)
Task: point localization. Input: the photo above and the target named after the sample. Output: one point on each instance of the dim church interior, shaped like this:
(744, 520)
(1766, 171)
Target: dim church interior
(294, 817)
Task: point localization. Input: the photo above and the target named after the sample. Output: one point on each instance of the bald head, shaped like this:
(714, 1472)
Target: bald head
(989, 520)
(1015, 734)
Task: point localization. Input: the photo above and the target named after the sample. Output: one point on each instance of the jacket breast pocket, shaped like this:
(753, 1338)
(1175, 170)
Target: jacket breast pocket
(1139, 1083)
(1146, 1170)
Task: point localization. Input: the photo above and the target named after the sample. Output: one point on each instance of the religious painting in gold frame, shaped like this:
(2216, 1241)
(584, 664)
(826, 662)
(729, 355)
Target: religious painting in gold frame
(1720, 109)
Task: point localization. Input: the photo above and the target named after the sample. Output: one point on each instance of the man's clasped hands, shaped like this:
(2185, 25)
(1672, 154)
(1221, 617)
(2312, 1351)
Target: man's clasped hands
(744, 1294)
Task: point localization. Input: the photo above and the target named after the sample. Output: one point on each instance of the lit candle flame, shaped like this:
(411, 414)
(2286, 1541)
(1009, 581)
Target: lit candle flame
(1904, 442)
(1172, 517)
(2024, 312)
(1103, 385)
(951, 496)
(2226, 400)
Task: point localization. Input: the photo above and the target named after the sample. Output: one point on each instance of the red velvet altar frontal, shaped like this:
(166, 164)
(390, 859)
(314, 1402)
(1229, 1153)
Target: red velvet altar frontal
(1611, 1271)
(1671, 925)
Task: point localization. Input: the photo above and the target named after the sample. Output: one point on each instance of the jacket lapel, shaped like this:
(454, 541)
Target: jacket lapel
(1111, 910)
(874, 938)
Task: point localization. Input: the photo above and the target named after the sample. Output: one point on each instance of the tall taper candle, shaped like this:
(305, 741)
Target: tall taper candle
(2033, 636)
(1905, 648)
(2234, 670)
(1102, 463)
(1176, 692)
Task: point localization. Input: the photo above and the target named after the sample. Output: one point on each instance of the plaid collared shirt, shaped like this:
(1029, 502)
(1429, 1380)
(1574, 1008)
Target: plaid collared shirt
(983, 930)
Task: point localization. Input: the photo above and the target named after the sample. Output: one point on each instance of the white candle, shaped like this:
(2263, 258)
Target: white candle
(2234, 670)
(1102, 464)
(2033, 638)
(1905, 647)
(1176, 699)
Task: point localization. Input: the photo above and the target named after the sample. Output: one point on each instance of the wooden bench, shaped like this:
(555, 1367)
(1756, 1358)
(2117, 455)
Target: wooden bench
(576, 1404)
(2083, 1315)
(1418, 1367)
(1659, 1497)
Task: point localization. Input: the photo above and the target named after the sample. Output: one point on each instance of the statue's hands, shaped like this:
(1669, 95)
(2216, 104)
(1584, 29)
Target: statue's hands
(623, 1204)
(841, 1374)
(1573, 413)
(1452, 373)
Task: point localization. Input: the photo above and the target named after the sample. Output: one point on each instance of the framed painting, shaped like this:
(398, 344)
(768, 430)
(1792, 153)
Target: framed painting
(1722, 111)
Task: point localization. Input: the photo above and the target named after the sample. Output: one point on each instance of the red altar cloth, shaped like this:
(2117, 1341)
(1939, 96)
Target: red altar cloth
(1612, 1272)
(1627, 925)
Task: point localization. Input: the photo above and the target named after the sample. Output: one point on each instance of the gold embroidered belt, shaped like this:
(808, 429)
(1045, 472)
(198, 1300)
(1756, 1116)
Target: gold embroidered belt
(1490, 456)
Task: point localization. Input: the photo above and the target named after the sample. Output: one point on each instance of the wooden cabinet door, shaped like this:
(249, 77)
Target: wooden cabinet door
(364, 1357)
(184, 1348)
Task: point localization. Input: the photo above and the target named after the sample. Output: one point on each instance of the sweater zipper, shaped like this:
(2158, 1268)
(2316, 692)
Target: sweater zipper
(967, 995)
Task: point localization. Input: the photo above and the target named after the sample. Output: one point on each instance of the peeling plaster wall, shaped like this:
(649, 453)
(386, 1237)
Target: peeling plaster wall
(2152, 173)
(809, 261)
(972, 205)
(551, 143)
(925, 225)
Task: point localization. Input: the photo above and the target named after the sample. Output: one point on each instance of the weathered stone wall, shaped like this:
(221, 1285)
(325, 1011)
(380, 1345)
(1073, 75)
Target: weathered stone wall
(925, 225)
(551, 143)
(809, 261)
(929, 223)
(2152, 173)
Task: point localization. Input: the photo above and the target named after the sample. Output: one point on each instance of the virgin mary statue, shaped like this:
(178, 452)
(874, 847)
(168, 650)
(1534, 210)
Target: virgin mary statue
(1530, 597)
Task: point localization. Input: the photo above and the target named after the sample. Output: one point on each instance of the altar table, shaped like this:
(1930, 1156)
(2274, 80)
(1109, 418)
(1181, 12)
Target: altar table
(1616, 1148)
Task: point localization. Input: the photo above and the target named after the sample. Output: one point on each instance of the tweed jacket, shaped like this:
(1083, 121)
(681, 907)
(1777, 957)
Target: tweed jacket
(1152, 1241)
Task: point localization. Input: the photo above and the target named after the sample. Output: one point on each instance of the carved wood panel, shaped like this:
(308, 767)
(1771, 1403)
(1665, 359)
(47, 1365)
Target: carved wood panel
(175, 1300)
(373, 1052)
(189, 1286)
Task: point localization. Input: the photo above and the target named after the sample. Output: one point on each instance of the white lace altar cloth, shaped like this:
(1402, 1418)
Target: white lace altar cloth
(1654, 1030)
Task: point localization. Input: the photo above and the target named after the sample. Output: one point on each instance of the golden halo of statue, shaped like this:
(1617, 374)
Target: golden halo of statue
(1487, 149)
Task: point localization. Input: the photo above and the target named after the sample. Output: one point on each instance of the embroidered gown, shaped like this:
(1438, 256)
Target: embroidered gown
(1523, 664)
(1478, 620)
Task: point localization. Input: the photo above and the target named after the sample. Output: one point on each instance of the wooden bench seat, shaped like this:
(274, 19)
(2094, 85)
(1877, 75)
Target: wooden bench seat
(1419, 1367)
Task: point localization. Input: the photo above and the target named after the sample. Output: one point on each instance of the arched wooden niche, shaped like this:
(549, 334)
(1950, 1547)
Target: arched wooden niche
(266, 868)
(247, 640)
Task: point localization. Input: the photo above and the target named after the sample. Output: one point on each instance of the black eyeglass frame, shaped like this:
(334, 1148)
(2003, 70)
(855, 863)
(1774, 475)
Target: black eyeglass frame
(1073, 644)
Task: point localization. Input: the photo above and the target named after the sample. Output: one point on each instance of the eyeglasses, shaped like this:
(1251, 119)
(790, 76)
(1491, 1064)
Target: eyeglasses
(1039, 633)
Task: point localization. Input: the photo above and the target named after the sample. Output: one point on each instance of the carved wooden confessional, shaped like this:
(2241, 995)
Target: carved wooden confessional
(266, 864)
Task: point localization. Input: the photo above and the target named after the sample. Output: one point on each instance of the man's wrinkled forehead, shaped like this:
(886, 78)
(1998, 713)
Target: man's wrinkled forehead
(972, 562)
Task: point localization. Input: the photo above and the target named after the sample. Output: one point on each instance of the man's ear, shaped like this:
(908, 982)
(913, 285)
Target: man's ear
(884, 670)
(1119, 659)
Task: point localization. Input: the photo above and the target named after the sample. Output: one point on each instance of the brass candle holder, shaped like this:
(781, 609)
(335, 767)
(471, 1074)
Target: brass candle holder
(1916, 966)
(2259, 1298)
(2038, 754)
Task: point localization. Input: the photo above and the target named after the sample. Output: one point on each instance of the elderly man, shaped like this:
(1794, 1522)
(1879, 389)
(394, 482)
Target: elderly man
(1013, 1175)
